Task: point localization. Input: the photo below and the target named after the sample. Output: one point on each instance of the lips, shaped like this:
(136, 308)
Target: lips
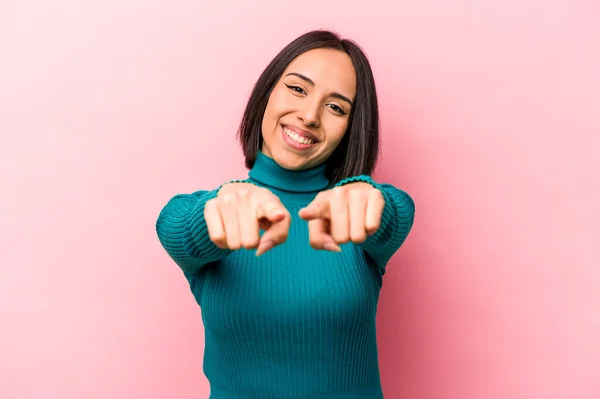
(302, 132)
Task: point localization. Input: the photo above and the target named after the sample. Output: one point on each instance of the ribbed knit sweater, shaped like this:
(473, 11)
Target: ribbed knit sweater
(294, 322)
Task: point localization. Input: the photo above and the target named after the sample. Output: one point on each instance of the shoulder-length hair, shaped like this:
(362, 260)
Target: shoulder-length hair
(358, 151)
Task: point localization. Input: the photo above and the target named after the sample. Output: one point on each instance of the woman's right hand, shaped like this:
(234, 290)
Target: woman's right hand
(234, 218)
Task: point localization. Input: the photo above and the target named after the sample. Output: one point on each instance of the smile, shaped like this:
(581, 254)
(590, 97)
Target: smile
(296, 138)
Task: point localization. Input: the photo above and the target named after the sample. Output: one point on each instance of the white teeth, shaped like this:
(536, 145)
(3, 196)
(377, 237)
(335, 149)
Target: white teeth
(296, 137)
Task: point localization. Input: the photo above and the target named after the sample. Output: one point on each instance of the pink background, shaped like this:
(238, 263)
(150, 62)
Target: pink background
(491, 121)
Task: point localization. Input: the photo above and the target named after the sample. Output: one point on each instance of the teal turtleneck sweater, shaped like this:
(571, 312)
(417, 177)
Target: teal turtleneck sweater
(295, 322)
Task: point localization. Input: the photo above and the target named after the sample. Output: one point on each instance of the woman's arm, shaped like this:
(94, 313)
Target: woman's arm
(396, 222)
(183, 233)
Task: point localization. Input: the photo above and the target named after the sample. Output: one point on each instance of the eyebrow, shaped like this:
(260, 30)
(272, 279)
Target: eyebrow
(312, 83)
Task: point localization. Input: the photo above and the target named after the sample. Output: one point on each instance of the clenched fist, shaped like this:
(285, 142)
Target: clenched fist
(235, 217)
(346, 213)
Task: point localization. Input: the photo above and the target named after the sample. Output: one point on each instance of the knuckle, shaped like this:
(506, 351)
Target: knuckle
(339, 192)
(357, 194)
(372, 226)
(340, 238)
(228, 198)
(214, 237)
(358, 237)
(280, 237)
(271, 205)
(285, 211)
(250, 242)
(217, 238)
(242, 193)
(210, 202)
(377, 193)
(234, 245)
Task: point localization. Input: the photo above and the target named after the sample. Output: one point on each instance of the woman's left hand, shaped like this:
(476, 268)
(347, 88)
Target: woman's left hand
(345, 213)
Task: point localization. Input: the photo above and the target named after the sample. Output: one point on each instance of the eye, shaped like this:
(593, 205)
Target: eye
(337, 109)
(296, 89)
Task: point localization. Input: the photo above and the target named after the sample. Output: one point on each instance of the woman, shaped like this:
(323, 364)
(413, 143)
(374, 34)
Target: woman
(287, 265)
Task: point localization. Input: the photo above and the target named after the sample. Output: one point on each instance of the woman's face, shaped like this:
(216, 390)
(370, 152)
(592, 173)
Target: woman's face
(309, 109)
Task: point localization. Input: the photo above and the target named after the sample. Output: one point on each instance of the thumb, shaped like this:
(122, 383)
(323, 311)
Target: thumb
(273, 211)
(315, 210)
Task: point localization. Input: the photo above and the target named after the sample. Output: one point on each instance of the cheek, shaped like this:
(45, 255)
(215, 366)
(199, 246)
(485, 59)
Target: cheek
(270, 114)
(274, 110)
(336, 131)
(277, 100)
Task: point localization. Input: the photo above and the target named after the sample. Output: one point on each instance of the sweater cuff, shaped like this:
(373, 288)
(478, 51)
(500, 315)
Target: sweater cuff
(196, 241)
(359, 178)
(229, 182)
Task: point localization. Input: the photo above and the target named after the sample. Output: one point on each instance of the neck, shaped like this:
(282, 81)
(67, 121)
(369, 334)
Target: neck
(268, 172)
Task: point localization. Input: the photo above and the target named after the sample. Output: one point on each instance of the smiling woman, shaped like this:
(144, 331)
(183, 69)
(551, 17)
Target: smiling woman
(287, 265)
(306, 116)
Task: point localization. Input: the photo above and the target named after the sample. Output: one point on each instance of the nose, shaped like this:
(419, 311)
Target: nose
(310, 114)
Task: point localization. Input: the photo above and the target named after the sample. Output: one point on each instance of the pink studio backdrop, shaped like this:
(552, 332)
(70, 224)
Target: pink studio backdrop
(490, 114)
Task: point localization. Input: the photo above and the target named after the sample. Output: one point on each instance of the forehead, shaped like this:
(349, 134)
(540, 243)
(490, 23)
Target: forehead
(330, 69)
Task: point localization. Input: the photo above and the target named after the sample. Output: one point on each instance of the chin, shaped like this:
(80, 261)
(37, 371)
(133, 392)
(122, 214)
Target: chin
(290, 161)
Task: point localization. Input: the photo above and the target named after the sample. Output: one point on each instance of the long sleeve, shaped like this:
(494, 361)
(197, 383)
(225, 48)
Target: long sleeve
(183, 233)
(396, 222)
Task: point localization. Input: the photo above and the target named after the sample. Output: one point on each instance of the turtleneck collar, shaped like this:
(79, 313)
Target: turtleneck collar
(268, 172)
